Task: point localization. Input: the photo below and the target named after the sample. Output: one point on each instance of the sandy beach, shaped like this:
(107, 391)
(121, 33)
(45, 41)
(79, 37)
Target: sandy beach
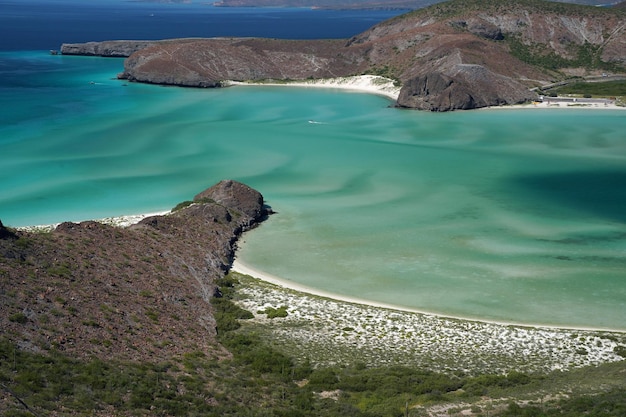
(564, 103)
(242, 268)
(374, 84)
(331, 329)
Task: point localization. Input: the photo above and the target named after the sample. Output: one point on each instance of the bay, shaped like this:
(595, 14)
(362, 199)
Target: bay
(507, 215)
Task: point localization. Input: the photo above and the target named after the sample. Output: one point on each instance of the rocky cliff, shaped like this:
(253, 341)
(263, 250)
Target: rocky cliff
(453, 55)
(136, 293)
(465, 86)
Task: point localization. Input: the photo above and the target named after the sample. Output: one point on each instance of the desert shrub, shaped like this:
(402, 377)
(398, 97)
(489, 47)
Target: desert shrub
(273, 313)
(18, 318)
(227, 314)
(324, 379)
(182, 205)
(620, 350)
(606, 89)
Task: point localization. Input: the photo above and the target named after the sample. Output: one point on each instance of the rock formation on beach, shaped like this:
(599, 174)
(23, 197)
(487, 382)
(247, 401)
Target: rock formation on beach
(125, 287)
(461, 54)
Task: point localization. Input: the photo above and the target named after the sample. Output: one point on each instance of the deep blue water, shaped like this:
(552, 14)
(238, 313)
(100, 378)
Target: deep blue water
(46, 24)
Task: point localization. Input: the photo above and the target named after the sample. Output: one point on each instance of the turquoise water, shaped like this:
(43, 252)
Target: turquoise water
(509, 215)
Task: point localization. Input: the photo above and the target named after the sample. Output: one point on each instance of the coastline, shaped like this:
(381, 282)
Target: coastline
(244, 269)
(327, 328)
(556, 104)
(375, 84)
(343, 330)
(372, 84)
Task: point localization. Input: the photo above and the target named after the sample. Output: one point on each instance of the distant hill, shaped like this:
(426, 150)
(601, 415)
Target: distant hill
(366, 4)
(460, 54)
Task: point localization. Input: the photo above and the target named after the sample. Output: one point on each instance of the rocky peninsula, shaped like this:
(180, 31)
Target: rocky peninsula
(127, 287)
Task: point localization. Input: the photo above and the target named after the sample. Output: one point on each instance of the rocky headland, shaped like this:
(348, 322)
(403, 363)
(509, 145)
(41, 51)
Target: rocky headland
(136, 293)
(452, 55)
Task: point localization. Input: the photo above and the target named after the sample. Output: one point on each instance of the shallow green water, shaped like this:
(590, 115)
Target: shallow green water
(511, 215)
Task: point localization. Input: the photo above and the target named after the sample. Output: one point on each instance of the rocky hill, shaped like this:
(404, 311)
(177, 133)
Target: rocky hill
(139, 293)
(461, 54)
(359, 4)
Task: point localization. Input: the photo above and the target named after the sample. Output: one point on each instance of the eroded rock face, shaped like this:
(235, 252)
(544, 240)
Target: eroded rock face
(461, 88)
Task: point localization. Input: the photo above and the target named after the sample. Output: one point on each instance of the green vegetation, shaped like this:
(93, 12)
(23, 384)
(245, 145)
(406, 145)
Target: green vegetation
(258, 377)
(18, 318)
(260, 380)
(384, 71)
(182, 205)
(187, 203)
(615, 90)
(463, 7)
(61, 270)
(273, 313)
(595, 89)
(586, 56)
(536, 54)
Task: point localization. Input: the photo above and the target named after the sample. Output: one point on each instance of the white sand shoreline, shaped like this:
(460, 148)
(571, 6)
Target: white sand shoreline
(343, 329)
(374, 84)
(557, 105)
(242, 268)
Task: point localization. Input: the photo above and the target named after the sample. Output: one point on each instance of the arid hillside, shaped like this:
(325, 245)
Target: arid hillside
(460, 54)
(139, 293)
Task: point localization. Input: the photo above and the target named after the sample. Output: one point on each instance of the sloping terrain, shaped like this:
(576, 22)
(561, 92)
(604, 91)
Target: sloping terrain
(139, 293)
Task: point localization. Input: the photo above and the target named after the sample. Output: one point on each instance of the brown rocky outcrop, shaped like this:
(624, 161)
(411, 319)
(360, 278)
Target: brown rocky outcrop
(136, 293)
(209, 62)
(466, 87)
(231, 193)
(6, 233)
(114, 49)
